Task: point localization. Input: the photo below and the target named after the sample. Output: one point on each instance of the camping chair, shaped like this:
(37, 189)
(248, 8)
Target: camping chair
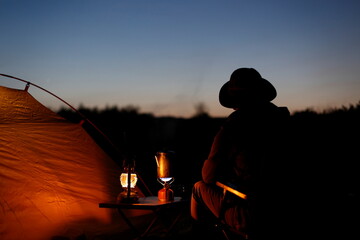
(228, 232)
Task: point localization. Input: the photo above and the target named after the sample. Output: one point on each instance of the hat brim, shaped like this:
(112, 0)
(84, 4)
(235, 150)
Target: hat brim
(263, 92)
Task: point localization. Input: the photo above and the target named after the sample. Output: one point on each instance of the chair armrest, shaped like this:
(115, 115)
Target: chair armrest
(228, 188)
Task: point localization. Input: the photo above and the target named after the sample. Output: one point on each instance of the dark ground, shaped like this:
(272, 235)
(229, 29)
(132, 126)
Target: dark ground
(316, 219)
(183, 230)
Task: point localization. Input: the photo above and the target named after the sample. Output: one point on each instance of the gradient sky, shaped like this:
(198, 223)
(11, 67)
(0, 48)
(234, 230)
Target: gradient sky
(166, 56)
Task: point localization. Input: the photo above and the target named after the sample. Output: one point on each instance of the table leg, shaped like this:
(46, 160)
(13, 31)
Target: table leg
(158, 215)
(128, 222)
(175, 220)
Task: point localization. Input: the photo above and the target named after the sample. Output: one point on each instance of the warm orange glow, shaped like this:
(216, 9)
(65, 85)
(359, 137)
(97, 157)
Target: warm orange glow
(165, 175)
(163, 160)
(124, 180)
(52, 174)
(165, 194)
(232, 190)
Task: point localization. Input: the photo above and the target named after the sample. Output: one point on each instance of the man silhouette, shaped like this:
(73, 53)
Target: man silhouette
(245, 153)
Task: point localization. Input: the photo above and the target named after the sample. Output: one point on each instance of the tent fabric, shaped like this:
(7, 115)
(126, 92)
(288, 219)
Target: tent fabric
(19, 106)
(52, 173)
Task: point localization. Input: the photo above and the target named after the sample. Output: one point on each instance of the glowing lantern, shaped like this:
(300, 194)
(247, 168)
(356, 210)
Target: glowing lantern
(128, 180)
(165, 175)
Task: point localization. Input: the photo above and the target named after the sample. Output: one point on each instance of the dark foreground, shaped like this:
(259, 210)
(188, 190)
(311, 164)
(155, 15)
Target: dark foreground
(328, 217)
(318, 219)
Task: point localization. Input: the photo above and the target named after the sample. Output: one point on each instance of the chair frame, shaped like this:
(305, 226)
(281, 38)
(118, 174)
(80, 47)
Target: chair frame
(225, 229)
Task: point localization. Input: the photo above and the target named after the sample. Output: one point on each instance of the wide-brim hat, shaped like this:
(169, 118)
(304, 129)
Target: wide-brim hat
(245, 86)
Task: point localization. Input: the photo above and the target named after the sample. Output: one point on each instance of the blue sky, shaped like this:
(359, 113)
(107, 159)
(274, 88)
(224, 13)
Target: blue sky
(166, 56)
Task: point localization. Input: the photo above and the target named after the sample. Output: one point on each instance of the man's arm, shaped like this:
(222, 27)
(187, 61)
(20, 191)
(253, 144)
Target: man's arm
(213, 165)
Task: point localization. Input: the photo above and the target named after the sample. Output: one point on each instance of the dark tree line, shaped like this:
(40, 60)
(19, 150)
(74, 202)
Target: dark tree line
(323, 150)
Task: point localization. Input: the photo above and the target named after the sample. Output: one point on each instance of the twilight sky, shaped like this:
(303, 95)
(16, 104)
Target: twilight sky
(166, 56)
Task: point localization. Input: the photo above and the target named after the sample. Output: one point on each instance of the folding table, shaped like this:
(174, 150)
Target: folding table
(157, 207)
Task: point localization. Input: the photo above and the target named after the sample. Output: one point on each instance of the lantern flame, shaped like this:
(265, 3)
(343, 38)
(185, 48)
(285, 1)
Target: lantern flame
(124, 180)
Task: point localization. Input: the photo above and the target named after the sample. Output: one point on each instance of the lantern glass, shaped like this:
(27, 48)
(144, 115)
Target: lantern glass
(127, 176)
(124, 180)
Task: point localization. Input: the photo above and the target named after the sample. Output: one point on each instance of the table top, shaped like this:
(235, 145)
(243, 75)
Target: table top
(151, 202)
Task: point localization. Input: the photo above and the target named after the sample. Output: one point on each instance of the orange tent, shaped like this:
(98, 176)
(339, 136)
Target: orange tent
(52, 174)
